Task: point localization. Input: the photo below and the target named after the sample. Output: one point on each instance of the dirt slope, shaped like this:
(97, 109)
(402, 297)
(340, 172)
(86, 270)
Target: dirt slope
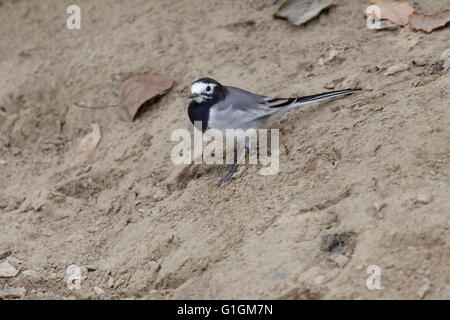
(152, 229)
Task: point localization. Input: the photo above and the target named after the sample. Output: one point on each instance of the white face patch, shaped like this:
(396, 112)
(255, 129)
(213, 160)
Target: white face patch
(200, 88)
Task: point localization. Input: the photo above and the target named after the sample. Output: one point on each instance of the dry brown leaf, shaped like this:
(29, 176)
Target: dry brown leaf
(397, 12)
(139, 89)
(90, 141)
(428, 23)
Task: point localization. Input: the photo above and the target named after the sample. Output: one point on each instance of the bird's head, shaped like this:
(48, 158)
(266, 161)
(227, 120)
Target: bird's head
(206, 89)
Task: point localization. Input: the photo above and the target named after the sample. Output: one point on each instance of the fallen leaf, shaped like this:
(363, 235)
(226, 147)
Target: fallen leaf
(428, 23)
(90, 141)
(301, 11)
(139, 89)
(397, 12)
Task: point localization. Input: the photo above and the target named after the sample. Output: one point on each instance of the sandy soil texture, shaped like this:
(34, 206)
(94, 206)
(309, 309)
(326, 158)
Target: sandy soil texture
(364, 180)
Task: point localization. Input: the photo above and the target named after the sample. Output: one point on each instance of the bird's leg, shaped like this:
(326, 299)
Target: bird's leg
(234, 167)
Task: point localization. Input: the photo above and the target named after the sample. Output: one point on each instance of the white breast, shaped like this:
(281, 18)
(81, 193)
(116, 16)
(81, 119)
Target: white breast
(222, 119)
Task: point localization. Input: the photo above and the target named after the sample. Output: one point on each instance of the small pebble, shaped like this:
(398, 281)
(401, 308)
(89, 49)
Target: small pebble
(419, 62)
(14, 261)
(12, 293)
(445, 55)
(423, 290)
(397, 68)
(91, 267)
(99, 291)
(340, 260)
(446, 65)
(377, 206)
(424, 198)
(330, 85)
(7, 270)
(159, 195)
(110, 282)
(30, 274)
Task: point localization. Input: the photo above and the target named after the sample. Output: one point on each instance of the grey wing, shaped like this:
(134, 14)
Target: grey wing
(241, 109)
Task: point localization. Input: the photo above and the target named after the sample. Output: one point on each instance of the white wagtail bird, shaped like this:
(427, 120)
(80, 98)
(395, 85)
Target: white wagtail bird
(224, 107)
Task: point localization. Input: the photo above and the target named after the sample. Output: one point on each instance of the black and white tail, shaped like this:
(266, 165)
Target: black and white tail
(295, 102)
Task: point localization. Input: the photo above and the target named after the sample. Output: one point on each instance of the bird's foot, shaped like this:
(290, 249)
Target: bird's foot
(227, 176)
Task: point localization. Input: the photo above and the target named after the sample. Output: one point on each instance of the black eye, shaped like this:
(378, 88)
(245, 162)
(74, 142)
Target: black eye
(208, 88)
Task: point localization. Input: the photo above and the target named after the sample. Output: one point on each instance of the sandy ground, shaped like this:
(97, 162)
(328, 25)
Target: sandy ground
(147, 228)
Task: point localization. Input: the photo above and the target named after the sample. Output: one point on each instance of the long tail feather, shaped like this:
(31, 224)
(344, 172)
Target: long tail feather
(284, 102)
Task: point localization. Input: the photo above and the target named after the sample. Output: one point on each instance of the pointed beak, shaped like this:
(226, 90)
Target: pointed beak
(193, 95)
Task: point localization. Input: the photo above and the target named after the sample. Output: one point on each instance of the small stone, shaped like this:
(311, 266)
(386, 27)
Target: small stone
(3, 162)
(419, 62)
(159, 194)
(446, 65)
(93, 229)
(397, 68)
(330, 85)
(7, 270)
(377, 207)
(340, 260)
(424, 198)
(110, 282)
(445, 55)
(12, 293)
(423, 290)
(14, 261)
(30, 274)
(331, 56)
(52, 275)
(91, 267)
(351, 82)
(99, 291)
